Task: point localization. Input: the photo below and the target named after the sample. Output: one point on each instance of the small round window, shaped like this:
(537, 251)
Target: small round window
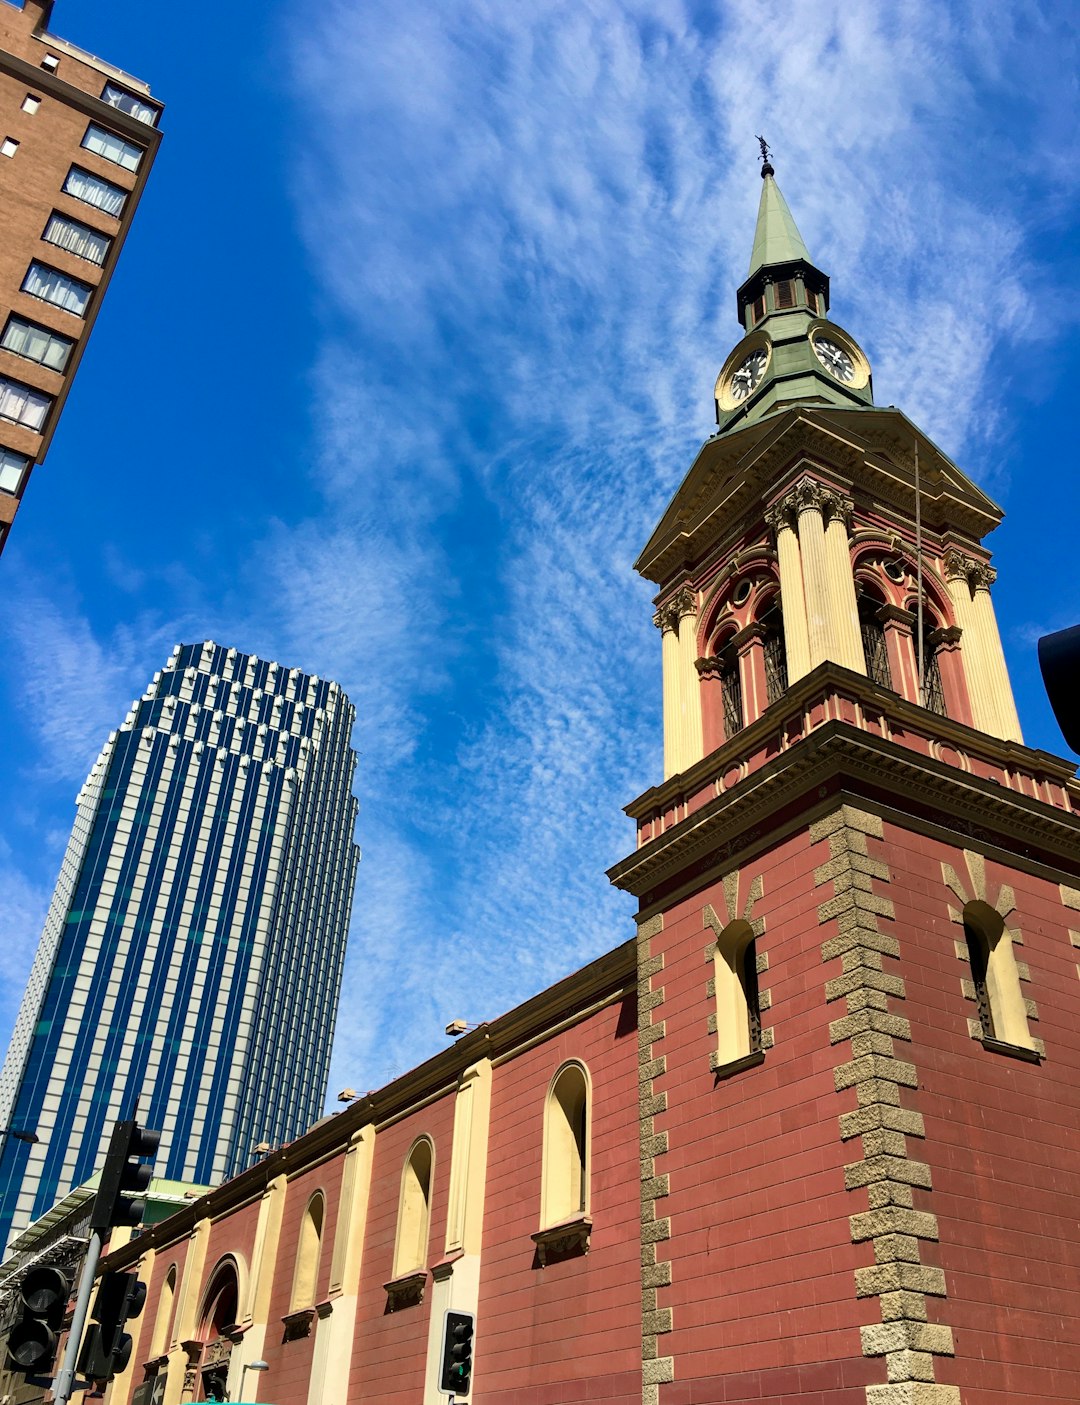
(741, 594)
(895, 570)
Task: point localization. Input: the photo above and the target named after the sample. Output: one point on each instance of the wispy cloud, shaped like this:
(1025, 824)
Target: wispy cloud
(528, 223)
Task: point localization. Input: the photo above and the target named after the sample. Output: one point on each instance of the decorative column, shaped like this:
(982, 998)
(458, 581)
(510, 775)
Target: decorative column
(984, 663)
(840, 583)
(899, 626)
(677, 621)
(997, 674)
(749, 643)
(335, 1333)
(781, 518)
(810, 499)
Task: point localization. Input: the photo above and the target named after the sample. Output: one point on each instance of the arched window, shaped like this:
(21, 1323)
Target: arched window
(308, 1253)
(221, 1303)
(159, 1343)
(414, 1209)
(775, 651)
(875, 649)
(738, 1014)
(220, 1307)
(730, 690)
(1002, 1012)
(933, 693)
(565, 1175)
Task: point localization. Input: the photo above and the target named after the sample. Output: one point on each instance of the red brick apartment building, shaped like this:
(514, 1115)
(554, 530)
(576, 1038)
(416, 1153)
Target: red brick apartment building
(812, 1135)
(77, 142)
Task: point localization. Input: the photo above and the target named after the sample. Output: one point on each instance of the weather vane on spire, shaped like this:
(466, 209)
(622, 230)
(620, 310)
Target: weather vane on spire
(766, 158)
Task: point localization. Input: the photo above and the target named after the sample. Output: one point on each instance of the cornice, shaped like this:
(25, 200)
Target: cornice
(840, 753)
(565, 1003)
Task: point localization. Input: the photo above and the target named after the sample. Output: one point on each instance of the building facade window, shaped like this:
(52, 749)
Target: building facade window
(875, 647)
(95, 190)
(994, 975)
(77, 238)
(112, 147)
(9, 146)
(22, 404)
(731, 692)
(58, 288)
(775, 652)
(12, 469)
(36, 343)
(127, 102)
(159, 1343)
(308, 1254)
(738, 1011)
(565, 1172)
(414, 1210)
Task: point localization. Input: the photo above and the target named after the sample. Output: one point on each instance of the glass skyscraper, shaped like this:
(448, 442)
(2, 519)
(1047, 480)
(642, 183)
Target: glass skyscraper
(192, 953)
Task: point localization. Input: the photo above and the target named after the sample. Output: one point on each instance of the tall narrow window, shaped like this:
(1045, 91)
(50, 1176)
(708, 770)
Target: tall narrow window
(308, 1254)
(785, 293)
(77, 238)
(36, 343)
(933, 693)
(58, 288)
(414, 1210)
(112, 147)
(163, 1318)
(731, 692)
(994, 975)
(875, 649)
(738, 1012)
(565, 1189)
(775, 650)
(95, 190)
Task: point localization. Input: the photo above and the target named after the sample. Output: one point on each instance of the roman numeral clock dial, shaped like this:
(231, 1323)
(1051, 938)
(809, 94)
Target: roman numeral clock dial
(746, 378)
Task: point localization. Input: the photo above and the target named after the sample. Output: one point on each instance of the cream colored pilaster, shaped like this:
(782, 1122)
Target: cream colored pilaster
(683, 738)
(334, 1333)
(810, 497)
(840, 578)
(792, 596)
(984, 713)
(264, 1268)
(982, 578)
(456, 1280)
(185, 1321)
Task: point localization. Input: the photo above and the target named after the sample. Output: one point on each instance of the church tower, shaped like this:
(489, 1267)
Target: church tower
(858, 894)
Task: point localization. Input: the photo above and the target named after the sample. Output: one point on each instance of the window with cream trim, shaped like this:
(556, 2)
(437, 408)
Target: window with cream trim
(414, 1209)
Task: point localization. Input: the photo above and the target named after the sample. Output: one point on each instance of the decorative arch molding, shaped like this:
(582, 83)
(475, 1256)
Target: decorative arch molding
(228, 1276)
(994, 982)
(736, 964)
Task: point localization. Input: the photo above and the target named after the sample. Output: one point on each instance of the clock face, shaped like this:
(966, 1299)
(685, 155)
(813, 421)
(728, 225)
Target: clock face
(746, 379)
(835, 359)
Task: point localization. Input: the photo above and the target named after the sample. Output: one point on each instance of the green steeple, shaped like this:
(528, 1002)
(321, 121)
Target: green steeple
(776, 238)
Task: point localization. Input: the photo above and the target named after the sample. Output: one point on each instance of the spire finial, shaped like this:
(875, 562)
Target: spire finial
(766, 159)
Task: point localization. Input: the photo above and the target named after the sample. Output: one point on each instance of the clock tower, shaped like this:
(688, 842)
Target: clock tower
(858, 900)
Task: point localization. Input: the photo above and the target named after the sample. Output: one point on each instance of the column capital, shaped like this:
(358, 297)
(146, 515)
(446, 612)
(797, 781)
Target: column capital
(957, 565)
(982, 576)
(835, 505)
(684, 602)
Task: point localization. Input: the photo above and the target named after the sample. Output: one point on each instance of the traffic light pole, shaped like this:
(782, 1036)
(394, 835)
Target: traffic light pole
(65, 1380)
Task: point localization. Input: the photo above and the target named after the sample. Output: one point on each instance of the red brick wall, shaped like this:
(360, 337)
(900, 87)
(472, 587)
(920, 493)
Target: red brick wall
(762, 1286)
(290, 1361)
(1002, 1136)
(570, 1331)
(390, 1348)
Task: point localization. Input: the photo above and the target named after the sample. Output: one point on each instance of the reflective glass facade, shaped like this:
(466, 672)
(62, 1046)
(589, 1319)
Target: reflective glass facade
(191, 958)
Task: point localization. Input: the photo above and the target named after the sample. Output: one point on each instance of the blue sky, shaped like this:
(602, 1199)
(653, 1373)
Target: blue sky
(413, 337)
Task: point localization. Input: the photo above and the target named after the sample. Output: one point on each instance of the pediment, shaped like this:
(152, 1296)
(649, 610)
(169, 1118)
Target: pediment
(871, 451)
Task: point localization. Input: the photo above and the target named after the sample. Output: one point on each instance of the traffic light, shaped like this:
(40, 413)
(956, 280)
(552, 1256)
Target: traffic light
(1059, 659)
(106, 1347)
(41, 1303)
(457, 1353)
(120, 1199)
